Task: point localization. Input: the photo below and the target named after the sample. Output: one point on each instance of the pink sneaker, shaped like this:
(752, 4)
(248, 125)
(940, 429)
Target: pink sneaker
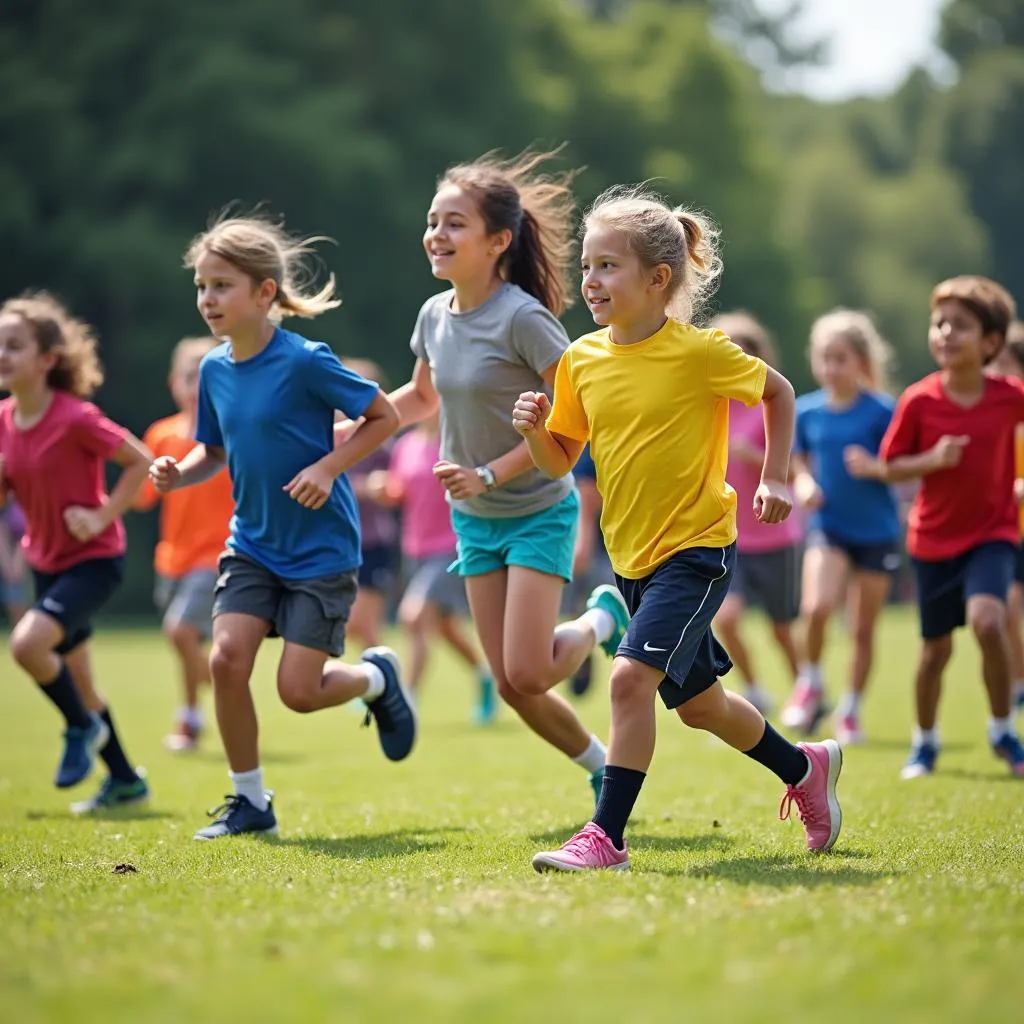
(590, 849)
(848, 732)
(815, 797)
(804, 707)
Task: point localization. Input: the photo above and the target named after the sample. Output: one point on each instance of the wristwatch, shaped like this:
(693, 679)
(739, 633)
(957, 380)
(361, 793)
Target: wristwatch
(486, 474)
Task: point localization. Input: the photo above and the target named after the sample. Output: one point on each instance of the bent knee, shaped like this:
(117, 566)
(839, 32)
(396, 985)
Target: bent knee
(181, 634)
(296, 698)
(704, 710)
(988, 624)
(526, 680)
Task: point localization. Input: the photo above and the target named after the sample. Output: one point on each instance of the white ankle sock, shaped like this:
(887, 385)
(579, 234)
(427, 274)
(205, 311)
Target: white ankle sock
(601, 622)
(374, 681)
(592, 759)
(929, 736)
(191, 717)
(250, 785)
(849, 704)
(812, 674)
(998, 728)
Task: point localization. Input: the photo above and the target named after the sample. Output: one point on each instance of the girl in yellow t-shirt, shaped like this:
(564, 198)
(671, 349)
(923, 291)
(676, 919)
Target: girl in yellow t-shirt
(650, 392)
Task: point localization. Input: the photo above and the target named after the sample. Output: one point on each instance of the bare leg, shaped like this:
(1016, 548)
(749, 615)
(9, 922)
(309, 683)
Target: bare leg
(783, 633)
(935, 655)
(194, 661)
(1015, 635)
(868, 593)
(727, 715)
(455, 636)
(986, 615)
(633, 687)
(366, 620)
(824, 584)
(726, 626)
(308, 680)
(421, 622)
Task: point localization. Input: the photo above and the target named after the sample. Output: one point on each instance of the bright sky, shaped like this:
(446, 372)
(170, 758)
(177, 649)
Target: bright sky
(874, 43)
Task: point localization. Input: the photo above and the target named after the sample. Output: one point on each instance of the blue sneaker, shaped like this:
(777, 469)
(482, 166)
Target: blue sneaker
(487, 704)
(608, 598)
(392, 710)
(80, 749)
(1010, 750)
(921, 761)
(236, 815)
(596, 782)
(115, 793)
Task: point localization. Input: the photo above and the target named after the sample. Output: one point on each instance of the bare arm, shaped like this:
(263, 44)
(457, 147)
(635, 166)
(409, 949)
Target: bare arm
(779, 421)
(943, 455)
(418, 399)
(134, 458)
(376, 425)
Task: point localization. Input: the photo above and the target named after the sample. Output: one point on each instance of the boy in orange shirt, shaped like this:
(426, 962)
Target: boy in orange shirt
(193, 530)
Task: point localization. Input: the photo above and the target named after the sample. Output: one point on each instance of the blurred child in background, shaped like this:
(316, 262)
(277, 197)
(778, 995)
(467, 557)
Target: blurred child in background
(767, 571)
(853, 537)
(434, 600)
(13, 567)
(194, 527)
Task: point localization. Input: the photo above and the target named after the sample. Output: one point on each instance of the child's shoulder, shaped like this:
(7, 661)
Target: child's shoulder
(811, 401)
(928, 387)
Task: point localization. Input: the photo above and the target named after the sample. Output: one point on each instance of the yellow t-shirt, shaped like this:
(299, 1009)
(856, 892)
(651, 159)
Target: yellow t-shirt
(657, 417)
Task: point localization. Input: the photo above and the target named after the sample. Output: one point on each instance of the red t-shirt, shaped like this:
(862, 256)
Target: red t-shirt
(54, 464)
(972, 503)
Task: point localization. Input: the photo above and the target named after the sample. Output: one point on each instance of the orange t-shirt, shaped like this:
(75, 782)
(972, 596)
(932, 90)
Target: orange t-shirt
(193, 521)
(1018, 464)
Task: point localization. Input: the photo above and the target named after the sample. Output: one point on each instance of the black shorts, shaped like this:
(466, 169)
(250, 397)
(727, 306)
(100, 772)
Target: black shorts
(74, 595)
(944, 587)
(379, 569)
(770, 580)
(884, 557)
(670, 620)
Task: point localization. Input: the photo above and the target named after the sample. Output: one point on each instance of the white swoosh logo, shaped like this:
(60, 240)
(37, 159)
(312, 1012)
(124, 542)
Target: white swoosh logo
(650, 649)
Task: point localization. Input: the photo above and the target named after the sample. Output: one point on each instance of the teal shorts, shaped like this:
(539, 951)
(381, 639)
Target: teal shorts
(543, 541)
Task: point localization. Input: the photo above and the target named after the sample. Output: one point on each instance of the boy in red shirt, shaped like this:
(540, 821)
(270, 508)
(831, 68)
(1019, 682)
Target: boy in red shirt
(54, 445)
(955, 430)
(194, 527)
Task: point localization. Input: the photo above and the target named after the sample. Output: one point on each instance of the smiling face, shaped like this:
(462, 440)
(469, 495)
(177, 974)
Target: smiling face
(956, 338)
(457, 241)
(617, 288)
(227, 298)
(22, 365)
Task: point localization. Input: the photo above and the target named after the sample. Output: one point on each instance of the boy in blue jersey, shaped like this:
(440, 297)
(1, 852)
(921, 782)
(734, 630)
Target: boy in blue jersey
(267, 400)
(854, 530)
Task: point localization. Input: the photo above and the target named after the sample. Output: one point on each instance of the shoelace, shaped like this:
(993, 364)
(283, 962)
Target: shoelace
(584, 841)
(795, 795)
(377, 709)
(231, 801)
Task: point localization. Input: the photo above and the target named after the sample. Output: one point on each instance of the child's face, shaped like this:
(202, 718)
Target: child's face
(615, 283)
(456, 240)
(836, 366)
(227, 298)
(21, 363)
(184, 380)
(956, 338)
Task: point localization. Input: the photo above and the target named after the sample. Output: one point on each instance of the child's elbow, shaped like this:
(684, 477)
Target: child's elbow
(391, 417)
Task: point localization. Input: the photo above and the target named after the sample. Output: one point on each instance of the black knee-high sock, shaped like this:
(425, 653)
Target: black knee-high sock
(113, 753)
(619, 791)
(63, 692)
(780, 756)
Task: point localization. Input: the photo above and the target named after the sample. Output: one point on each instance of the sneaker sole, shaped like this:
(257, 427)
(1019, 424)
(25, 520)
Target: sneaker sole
(835, 766)
(234, 835)
(543, 862)
(388, 655)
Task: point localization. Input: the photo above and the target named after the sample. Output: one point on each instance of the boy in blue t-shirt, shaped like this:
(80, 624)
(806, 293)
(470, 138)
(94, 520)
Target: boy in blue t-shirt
(267, 401)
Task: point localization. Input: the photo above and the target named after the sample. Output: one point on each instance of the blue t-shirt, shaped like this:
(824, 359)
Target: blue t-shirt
(856, 511)
(274, 416)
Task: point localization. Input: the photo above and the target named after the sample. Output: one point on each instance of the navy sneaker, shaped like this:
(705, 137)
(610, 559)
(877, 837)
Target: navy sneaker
(580, 680)
(392, 710)
(1010, 750)
(81, 746)
(115, 793)
(236, 815)
(921, 761)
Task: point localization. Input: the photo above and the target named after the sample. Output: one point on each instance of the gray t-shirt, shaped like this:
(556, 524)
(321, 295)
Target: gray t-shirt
(481, 362)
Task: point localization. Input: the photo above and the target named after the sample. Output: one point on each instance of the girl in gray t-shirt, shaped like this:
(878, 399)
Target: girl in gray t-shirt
(500, 235)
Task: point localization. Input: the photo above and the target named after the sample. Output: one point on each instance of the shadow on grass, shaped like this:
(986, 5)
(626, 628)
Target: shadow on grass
(400, 843)
(783, 871)
(104, 814)
(995, 775)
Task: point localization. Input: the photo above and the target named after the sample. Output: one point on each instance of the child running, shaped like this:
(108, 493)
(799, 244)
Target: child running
(54, 445)
(267, 399)
(1010, 363)
(650, 391)
(955, 430)
(499, 233)
(434, 599)
(853, 536)
(767, 570)
(193, 532)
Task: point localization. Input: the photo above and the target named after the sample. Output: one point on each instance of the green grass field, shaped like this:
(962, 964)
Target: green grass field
(400, 892)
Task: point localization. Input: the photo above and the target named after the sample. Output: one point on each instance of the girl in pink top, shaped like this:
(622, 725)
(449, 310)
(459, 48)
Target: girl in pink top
(767, 569)
(53, 448)
(435, 599)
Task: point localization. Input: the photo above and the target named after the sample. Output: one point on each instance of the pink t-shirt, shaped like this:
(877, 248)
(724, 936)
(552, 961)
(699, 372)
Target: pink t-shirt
(426, 515)
(56, 463)
(747, 424)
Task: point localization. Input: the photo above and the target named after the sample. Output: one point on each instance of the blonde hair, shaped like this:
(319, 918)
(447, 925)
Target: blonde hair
(684, 240)
(77, 368)
(192, 347)
(263, 250)
(858, 330)
(536, 208)
(749, 333)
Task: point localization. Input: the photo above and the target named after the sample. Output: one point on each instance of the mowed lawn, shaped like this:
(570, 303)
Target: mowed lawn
(405, 892)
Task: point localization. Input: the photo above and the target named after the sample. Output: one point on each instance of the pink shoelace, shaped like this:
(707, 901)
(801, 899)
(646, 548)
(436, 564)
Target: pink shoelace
(797, 795)
(587, 840)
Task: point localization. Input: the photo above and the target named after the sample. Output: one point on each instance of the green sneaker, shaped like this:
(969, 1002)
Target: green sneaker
(608, 599)
(487, 702)
(113, 794)
(596, 782)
